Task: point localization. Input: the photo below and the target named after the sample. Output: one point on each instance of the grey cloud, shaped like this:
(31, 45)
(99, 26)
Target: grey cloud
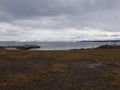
(30, 8)
(60, 14)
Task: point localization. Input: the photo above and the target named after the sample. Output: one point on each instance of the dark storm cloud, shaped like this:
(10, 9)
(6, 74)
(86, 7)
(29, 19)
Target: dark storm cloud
(31, 8)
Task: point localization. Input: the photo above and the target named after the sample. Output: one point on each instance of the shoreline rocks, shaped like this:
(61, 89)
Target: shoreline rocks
(24, 47)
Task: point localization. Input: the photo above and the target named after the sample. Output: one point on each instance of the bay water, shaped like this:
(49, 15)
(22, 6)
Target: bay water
(60, 45)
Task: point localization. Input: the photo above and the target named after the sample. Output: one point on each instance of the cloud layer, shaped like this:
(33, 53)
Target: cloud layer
(59, 20)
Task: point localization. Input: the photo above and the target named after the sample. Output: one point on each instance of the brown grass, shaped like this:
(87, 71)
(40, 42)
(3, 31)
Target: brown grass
(112, 76)
(94, 54)
(15, 80)
(55, 69)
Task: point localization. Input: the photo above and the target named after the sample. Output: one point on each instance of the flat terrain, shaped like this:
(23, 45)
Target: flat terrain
(92, 69)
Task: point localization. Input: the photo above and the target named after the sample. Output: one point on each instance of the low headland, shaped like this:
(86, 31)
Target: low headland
(24, 47)
(76, 69)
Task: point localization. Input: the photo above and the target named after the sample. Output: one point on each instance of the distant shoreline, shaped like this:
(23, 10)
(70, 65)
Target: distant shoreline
(99, 41)
(67, 41)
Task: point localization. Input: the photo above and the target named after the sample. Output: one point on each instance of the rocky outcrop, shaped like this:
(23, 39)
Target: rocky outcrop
(24, 47)
(1, 47)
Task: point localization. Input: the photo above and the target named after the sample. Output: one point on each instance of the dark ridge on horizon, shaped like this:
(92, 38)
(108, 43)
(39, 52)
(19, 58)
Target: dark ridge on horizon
(99, 41)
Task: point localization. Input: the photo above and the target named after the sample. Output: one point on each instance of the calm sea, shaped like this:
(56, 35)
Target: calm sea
(61, 45)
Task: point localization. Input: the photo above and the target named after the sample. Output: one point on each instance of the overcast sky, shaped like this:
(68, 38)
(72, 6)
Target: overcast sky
(59, 20)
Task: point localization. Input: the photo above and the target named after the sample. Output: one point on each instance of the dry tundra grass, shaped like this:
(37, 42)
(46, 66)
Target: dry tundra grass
(60, 70)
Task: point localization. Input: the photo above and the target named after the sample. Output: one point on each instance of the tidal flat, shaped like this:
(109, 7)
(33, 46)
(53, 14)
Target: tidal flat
(89, 69)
